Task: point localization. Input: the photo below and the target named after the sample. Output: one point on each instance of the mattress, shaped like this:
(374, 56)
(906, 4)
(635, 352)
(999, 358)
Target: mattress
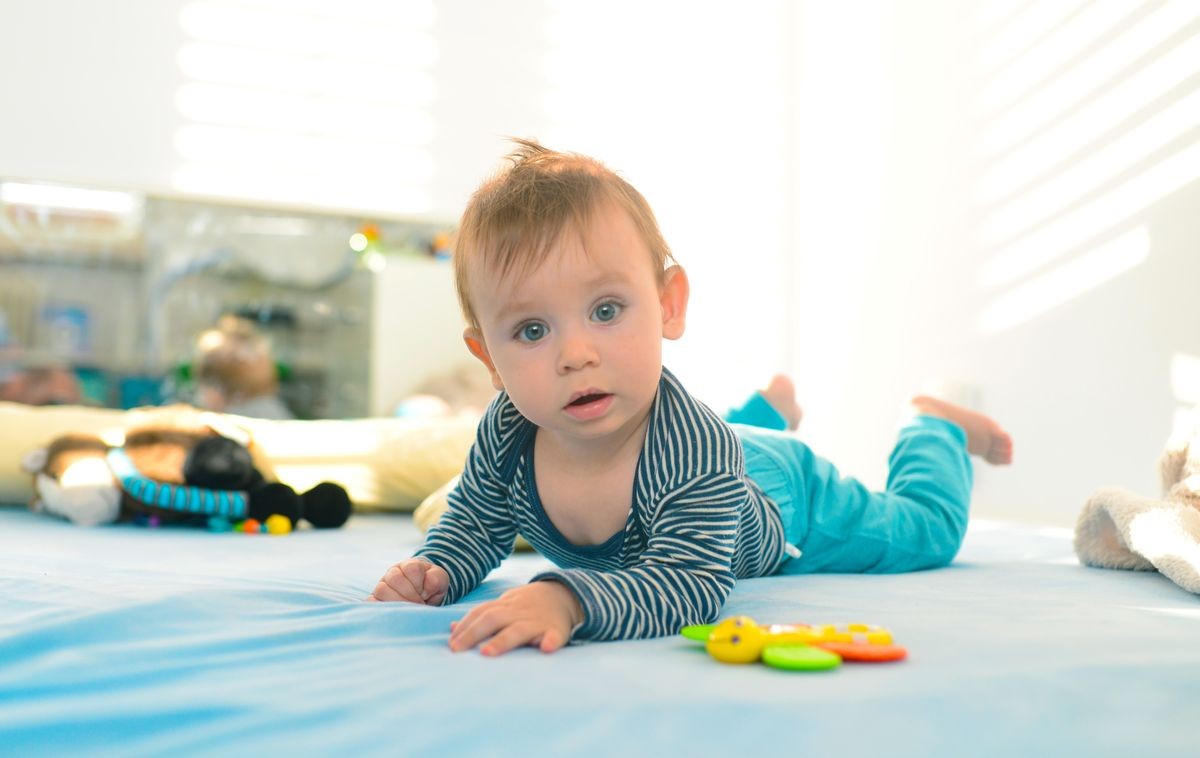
(135, 641)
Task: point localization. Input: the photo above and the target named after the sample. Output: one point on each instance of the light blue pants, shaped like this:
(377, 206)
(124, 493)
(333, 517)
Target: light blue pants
(840, 526)
(756, 411)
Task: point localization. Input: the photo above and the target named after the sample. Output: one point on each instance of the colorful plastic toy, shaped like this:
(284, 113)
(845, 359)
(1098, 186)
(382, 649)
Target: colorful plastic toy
(275, 524)
(796, 647)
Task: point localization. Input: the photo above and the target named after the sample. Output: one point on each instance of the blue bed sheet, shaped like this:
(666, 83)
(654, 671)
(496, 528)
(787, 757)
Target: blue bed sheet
(130, 641)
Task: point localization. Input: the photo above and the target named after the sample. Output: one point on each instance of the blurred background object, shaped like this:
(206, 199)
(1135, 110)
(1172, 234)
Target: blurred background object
(41, 385)
(234, 371)
(112, 288)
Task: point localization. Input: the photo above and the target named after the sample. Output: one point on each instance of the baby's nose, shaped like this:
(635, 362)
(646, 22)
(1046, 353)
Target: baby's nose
(576, 352)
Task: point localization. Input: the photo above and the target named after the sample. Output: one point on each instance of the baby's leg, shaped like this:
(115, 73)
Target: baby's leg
(917, 522)
(781, 394)
(774, 407)
(985, 437)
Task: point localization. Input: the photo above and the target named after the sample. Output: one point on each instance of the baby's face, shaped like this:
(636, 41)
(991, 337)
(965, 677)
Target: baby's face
(577, 342)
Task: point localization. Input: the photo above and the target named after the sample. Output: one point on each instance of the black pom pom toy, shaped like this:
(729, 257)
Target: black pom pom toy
(220, 463)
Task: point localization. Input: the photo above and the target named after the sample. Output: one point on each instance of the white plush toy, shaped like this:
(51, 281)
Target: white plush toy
(1122, 530)
(85, 493)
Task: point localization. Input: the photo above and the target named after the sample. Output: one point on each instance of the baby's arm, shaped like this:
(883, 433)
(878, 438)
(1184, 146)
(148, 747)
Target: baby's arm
(684, 575)
(470, 539)
(683, 578)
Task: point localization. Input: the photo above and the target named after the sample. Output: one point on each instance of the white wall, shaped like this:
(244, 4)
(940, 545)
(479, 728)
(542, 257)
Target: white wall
(827, 172)
(898, 282)
(88, 91)
(419, 293)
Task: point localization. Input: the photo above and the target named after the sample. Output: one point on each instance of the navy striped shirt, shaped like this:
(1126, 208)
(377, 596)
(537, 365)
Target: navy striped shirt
(696, 525)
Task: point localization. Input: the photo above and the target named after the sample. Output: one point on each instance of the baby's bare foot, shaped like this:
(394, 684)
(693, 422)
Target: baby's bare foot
(985, 437)
(781, 394)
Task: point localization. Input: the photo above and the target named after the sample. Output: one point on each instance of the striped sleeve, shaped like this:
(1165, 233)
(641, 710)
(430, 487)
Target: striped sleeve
(477, 531)
(683, 576)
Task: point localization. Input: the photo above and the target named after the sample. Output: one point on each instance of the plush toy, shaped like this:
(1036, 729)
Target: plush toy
(1122, 530)
(172, 475)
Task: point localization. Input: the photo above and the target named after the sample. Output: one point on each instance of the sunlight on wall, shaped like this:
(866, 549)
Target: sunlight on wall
(1098, 66)
(840, 165)
(692, 107)
(1070, 280)
(1014, 25)
(1029, 66)
(1100, 168)
(1091, 116)
(313, 102)
(1074, 230)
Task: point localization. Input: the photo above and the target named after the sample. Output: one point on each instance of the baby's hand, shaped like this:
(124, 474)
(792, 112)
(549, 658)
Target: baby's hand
(415, 581)
(542, 614)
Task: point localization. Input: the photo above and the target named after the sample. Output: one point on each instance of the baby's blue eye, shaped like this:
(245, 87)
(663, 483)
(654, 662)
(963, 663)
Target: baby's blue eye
(531, 332)
(606, 311)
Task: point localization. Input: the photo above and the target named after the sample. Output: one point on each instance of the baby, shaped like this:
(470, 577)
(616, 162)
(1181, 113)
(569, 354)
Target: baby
(235, 371)
(649, 503)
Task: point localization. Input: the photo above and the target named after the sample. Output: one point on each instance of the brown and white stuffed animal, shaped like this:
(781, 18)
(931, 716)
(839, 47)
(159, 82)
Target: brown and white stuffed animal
(1122, 530)
(73, 480)
(173, 474)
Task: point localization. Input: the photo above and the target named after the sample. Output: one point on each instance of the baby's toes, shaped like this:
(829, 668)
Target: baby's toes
(1001, 450)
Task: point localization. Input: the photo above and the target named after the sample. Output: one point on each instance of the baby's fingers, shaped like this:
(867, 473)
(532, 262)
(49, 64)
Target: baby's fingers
(512, 636)
(552, 640)
(384, 592)
(414, 572)
(480, 623)
(437, 584)
(395, 586)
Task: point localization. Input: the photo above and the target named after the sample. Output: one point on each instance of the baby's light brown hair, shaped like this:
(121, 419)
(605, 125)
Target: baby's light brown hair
(235, 358)
(517, 216)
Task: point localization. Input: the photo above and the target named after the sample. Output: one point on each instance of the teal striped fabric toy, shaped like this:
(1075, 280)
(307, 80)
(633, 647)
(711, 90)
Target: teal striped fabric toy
(173, 476)
(176, 498)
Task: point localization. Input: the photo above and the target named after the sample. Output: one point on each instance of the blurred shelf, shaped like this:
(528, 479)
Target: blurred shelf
(89, 260)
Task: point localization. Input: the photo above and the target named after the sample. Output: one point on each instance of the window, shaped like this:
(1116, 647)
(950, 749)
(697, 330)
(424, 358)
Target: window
(310, 102)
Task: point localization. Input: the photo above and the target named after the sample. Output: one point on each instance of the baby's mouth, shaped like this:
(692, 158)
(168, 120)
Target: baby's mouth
(586, 398)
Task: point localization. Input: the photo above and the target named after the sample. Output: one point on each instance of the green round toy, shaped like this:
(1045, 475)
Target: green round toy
(800, 658)
(698, 632)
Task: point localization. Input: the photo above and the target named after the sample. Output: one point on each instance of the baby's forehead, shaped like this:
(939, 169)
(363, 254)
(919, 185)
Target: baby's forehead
(573, 258)
(607, 231)
(564, 273)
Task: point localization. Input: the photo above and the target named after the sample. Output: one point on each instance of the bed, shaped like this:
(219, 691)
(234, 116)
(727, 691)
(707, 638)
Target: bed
(125, 640)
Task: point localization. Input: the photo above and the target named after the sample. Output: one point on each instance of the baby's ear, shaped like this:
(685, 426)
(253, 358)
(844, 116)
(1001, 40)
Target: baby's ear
(474, 339)
(673, 297)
